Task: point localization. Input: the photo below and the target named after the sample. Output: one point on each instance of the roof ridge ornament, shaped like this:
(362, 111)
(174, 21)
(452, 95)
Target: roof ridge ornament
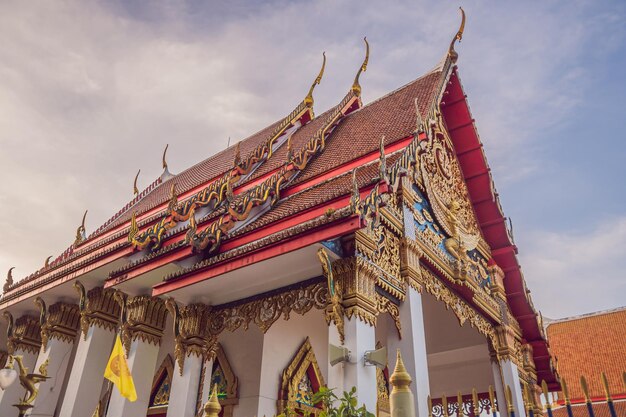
(452, 54)
(356, 87)
(9, 280)
(46, 264)
(308, 100)
(80, 231)
(163, 159)
(135, 189)
(134, 228)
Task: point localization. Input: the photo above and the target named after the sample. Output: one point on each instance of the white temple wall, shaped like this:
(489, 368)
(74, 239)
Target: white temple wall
(281, 343)
(244, 349)
(167, 342)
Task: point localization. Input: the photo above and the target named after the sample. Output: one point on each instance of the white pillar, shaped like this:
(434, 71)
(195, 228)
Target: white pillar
(184, 392)
(361, 337)
(57, 354)
(206, 382)
(497, 382)
(510, 376)
(142, 361)
(86, 378)
(413, 349)
(335, 373)
(15, 392)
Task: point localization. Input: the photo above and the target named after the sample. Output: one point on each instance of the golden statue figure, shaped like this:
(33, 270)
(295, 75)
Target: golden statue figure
(28, 381)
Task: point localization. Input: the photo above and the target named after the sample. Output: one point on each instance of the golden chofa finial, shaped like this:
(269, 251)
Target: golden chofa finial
(80, 231)
(356, 87)
(9, 280)
(47, 263)
(308, 100)
(163, 159)
(135, 189)
(459, 35)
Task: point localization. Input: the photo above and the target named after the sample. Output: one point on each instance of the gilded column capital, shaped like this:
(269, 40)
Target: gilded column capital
(97, 308)
(410, 254)
(507, 346)
(529, 361)
(23, 334)
(496, 285)
(61, 322)
(143, 319)
(191, 323)
(358, 281)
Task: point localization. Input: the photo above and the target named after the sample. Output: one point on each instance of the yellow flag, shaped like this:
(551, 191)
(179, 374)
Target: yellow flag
(118, 373)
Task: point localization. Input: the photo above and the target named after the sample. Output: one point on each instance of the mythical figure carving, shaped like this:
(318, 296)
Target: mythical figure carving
(334, 311)
(28, 381)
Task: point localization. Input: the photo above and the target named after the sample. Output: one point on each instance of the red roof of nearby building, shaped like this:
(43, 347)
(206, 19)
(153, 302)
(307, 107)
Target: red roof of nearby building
(587, 346)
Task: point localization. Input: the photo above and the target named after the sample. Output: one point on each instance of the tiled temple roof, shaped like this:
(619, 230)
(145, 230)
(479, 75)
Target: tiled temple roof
(587, 346)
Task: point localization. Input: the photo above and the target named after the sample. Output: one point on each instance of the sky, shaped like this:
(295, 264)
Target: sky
(92, 91)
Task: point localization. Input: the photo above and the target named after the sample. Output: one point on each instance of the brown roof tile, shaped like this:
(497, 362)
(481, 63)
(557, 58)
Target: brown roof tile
(587, 346)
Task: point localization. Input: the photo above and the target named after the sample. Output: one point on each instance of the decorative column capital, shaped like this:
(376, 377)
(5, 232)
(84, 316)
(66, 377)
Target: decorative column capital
(410, 271)
(358, 280)
(145, 320)
(23, 334)
(497, 283)
(191, 335)
(97, 308)
(61, 322)
(507, 346)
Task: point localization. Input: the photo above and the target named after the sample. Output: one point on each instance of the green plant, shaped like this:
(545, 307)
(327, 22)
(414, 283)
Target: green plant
(346, 406)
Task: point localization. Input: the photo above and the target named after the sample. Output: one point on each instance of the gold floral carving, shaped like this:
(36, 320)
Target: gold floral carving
(385, 305)
(358, 279)
(463, 311)
(266, 310)
(190, 331)
(61, 323)
(507, 346)
(97, 308)
(410, 270)
(144, 320)
(334, 310)
(381, 247)
(303, 365)
(23, 334)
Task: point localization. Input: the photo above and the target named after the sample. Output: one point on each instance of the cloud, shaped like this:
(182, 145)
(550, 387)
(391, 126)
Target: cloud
(573, 273)
(92, 91)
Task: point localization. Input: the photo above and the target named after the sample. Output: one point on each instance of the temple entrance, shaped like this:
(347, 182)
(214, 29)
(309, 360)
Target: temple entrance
(458, 359)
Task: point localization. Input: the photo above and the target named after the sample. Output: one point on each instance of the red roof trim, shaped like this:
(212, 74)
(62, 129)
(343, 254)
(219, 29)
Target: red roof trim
(492, 221)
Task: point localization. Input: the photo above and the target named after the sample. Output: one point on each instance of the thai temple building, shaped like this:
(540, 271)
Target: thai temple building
(324, 237)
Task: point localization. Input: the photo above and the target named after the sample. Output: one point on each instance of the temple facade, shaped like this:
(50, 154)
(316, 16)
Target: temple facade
(362, 228)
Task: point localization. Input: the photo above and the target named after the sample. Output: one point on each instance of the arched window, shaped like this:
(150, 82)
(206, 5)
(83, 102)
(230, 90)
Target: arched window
(161, 386)
(299, 382)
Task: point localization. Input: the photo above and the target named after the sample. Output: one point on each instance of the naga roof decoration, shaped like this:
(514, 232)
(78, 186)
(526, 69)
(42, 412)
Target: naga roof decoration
(135, 189)
(80, 232)
(220, 191)
(266, 194)
(164, 162)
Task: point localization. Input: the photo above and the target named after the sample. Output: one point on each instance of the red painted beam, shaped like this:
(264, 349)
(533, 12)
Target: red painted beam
(342, 227)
